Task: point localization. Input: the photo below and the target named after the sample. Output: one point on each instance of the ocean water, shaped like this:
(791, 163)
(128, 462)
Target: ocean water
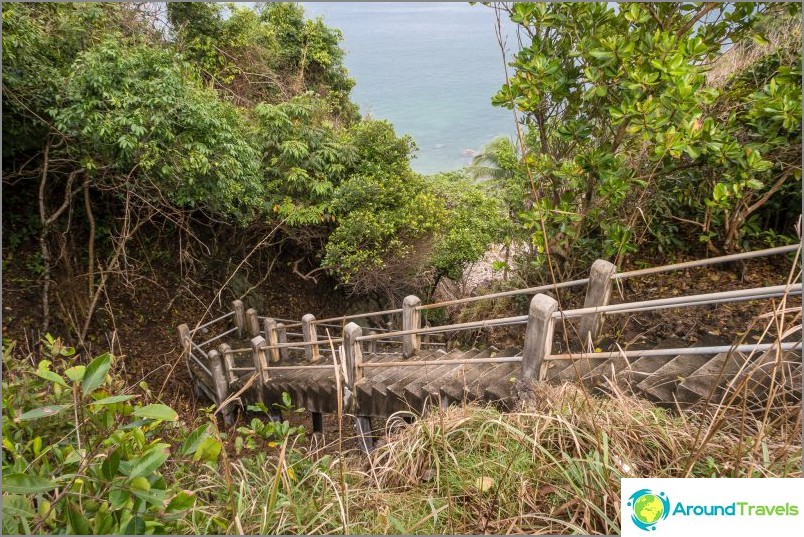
(430, 68)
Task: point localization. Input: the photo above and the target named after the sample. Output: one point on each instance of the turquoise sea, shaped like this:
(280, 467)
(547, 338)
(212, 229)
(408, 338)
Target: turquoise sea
(430, 68)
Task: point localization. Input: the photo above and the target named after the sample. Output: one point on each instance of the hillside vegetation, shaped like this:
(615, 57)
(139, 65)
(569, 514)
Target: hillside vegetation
(160, 160)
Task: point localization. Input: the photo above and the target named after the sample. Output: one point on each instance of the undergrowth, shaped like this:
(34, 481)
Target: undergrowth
(552, 466)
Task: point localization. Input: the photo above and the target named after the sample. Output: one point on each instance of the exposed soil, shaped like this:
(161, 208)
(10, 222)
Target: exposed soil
(141, 326)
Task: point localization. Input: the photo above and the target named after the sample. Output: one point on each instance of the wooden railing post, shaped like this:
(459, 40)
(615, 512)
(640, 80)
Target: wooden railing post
(282, 338)
(353, 354)
(186, 346)
(270, 335)
(228, 362)
(371, 348)
(260, 364)
(252, 323)
(239, 318)
(354, 370)
(598, 292)
(220, 382)
(184, 338)
(310, 336)
(539, 336)
(411, 319)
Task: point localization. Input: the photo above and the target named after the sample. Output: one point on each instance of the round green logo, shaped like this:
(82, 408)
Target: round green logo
(648, 508)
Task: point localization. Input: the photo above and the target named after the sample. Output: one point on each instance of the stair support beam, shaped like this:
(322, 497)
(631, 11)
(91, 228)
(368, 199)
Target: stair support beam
(228, 362)
(538, 336)
(353, 354)
(221, 384)
(282, 339)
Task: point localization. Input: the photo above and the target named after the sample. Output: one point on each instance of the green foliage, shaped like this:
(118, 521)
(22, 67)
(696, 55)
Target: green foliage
(304, 158)
(274, 432)
(618, 107)
(473, 221)
(136, 109)
(97, 471)
(287, 53)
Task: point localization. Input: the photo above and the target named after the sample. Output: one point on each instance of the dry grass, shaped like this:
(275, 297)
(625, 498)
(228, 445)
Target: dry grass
(743, 55)
(554, 466)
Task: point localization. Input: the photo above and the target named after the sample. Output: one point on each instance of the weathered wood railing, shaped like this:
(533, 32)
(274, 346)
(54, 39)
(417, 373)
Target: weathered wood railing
(268, 344)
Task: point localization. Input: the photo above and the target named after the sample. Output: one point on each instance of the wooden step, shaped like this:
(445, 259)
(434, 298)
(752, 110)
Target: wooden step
(500, 388)
(766, 371)
(414, 391)
(378, 404)
(607, 372)
(577, 369)
(396, 399)
(372, 379)
(461, 392)
(712, 377)
(454, 380)
(661, 385)
(645, 366)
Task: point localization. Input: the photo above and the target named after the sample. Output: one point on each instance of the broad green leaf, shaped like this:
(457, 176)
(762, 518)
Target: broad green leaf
(185, 499)
(112, 400)
(51, 376)
(119, 497)
(601, 54)
(147, 463)
(42, 412)
(110, 465)
(96, 372)
(26, 484)
(208, 451)
(76, 373)
(193, 440)
(153, 496)
(103, 524)
(136, 526)
(78, 522)
(156, 412)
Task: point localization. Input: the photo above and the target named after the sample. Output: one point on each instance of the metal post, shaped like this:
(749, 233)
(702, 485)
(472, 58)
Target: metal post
(538, 335)
(598, 291)
(310, 336)
(239, 317)
(270, 334)
(411, 319)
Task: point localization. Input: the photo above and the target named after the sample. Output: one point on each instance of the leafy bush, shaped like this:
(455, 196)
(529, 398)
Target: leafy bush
(619, 112)
(81, 455)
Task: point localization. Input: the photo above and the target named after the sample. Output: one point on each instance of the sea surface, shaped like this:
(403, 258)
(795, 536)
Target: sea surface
(430, 68)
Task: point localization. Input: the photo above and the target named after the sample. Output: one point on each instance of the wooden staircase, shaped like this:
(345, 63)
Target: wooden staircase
(377, 374)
